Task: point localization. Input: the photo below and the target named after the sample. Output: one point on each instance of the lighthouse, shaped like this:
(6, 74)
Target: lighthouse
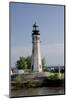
(36, 65)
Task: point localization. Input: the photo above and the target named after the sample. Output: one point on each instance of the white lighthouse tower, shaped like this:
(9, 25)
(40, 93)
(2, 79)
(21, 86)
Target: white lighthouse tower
(36, 54)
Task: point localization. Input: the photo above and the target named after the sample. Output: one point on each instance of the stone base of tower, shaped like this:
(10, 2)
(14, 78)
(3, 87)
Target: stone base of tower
(39, 70)
(36, 69)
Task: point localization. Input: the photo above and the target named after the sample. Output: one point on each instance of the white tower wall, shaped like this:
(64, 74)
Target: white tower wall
(36, 54)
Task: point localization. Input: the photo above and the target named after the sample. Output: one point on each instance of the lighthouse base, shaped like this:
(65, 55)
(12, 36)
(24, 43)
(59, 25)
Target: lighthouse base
(36, 69)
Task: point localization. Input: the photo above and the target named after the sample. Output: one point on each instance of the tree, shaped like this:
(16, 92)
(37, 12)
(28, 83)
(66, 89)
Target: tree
(21, 63)
(28, 61)
(24, 63)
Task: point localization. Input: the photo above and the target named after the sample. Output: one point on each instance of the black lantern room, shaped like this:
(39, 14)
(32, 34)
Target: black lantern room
(35, 29)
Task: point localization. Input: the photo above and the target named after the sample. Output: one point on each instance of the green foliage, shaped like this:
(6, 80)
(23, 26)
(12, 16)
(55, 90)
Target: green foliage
(24, 63)
(18, 80)
(53, 77)
(26, 83)
(28, 61)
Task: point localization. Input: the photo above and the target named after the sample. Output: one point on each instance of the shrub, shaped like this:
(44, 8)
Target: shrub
(54, 77)
(18, 80)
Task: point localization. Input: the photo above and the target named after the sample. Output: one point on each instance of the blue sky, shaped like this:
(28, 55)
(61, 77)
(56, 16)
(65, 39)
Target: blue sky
(50, 19)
